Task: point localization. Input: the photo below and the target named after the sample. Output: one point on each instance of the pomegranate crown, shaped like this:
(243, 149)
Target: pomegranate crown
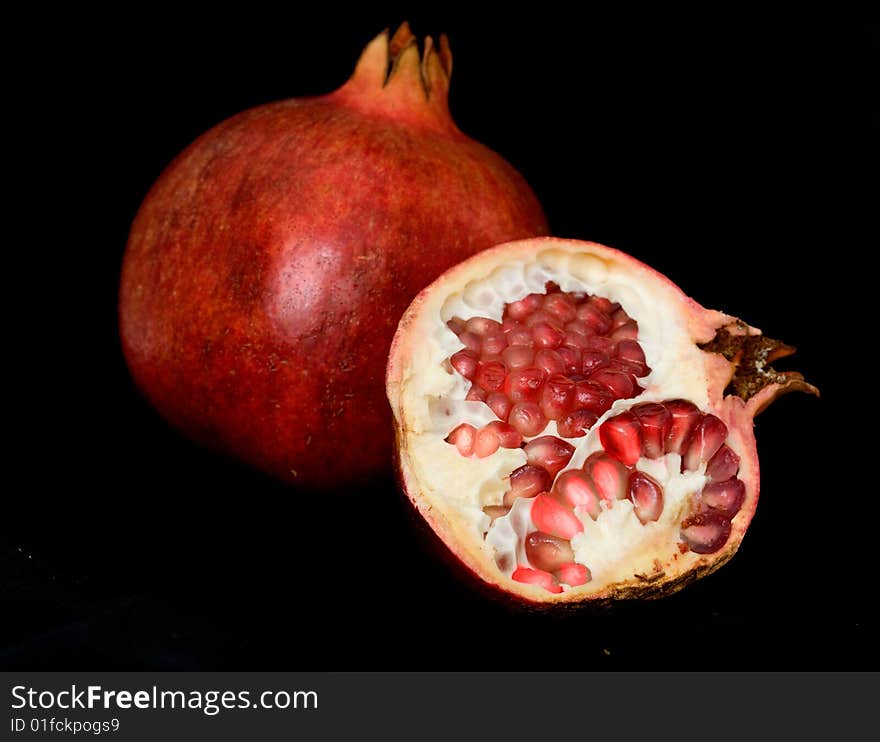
(390, 78)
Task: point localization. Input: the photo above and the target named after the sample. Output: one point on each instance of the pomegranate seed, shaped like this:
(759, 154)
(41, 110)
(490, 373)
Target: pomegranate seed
(548, 452)
(705, 533)
(463, 438)
(571, 359)
(621, 437)
(723, 465)
(593, 360)
(486, 443)
(520, 338)
(482, 326)
(495, 511)
(557, 397)
(588, 395)
(592, 316)
(521, 309)
(606, 306)
(630, 369)
(524, 384)
(518, 356)
(512, 325)
(546, 335)
(541, 317)
(508, 436)
(536, 577)
(471, 341)
(629, 331)
(579, 342)
(724, 498)
(707, 437)
(684, 416)
(609, 476)
(465, 362)
(655, 421)
(622, 385)
(456, 324)
(527, 418)
(549, 361)
(575, 424)
(578, 327)
(527, 481)
(561, 306)
(646, 495)
(631, 352)
(618, 318)
(475, 394)
(574, 574)
(547, 552)
(491, 376)
(494, 343)
(551, 517)
(601, 345)
(577, 490)
(500, 404)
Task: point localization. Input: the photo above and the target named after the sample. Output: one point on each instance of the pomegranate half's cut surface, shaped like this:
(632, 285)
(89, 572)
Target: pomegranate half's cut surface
(573, 427)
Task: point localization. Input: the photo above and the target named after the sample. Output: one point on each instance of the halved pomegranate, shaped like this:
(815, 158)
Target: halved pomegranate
(574, 427)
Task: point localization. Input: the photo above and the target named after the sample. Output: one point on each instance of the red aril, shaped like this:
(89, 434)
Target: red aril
(621, 436)
(536, 577)
(527, 481)
(646, 495)
(578, 490)
(724, 498)
(516, 356)
(557, 397)
(704, 441)
(527, 418)
(553, 517)
(684, 416)
(654, 421)
(608, 475)
(549, 453)
(524, 384)
(573, 574)
(576, 424)
(547, 552)
(500, 404)
(490, 376)
(723, 465)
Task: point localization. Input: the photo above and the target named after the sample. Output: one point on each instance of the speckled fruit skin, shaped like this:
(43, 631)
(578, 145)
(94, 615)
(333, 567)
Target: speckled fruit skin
(268, 266)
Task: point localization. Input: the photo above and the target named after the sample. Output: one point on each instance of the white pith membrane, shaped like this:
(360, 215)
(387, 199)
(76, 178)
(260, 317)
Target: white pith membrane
(616, 547)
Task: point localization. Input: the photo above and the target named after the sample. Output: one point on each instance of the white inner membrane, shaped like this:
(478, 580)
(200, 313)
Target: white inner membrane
(616, 546)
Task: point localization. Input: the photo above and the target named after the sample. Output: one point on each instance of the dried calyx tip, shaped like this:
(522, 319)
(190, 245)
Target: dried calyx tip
(751, 356)
(435, 65)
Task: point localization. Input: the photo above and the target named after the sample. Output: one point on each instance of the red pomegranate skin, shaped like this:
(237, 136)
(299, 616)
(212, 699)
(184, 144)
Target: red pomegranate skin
(268, 266)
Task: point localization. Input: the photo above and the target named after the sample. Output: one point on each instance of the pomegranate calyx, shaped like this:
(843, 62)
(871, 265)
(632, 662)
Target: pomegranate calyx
(393, 66)
(751, 355)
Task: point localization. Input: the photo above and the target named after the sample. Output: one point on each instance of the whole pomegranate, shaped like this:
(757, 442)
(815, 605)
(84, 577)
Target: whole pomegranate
(573, 427)
(268, 266)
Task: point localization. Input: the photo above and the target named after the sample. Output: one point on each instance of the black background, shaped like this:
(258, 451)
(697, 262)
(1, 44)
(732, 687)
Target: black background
(721, 149)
